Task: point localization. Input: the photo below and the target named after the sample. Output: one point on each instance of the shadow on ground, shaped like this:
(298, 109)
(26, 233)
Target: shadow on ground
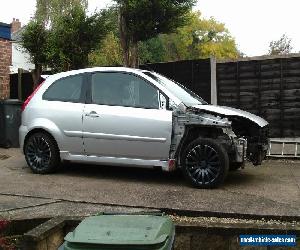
(131, 174)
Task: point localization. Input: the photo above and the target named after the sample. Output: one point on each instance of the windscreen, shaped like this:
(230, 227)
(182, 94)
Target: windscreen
(188, 97)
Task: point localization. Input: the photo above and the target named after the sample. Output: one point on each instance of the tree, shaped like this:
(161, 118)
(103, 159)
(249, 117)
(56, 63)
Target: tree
(66, 43)
(34, 41)
(200, 38)
(73, 37)
(141, 20)
(48, 11)
(108, 53)
(152, 51)
(281, 47)
(36, 35)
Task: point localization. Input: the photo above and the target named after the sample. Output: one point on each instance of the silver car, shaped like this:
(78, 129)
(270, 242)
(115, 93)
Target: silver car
(122, 116)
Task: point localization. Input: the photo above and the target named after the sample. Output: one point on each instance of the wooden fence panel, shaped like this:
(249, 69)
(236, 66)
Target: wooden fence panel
(194, 74)
(27, 85)
(266, 87)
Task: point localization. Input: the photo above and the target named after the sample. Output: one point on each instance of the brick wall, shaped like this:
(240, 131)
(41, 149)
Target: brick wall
(5, 62)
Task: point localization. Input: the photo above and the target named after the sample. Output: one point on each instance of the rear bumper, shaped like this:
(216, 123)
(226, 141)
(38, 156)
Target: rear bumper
(23, 131)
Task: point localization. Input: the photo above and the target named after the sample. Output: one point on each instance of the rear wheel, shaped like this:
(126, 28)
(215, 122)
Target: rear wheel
(41, 153)
(205, 163)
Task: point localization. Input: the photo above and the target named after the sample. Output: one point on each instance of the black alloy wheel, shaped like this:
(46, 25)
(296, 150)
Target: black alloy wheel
(41, 153)
(205, 163)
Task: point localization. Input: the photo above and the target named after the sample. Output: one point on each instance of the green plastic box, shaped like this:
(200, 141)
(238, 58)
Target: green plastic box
(106, 232)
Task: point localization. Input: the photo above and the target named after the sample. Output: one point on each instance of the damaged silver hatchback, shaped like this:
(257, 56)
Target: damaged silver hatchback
(122, 116)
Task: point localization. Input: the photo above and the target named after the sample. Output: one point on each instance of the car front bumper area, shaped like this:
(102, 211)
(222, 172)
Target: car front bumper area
(240, 149)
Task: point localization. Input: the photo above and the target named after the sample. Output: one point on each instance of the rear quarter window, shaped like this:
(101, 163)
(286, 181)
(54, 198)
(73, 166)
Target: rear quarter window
(67, 89)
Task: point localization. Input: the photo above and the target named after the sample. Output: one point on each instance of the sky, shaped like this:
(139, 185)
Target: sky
(253, 23)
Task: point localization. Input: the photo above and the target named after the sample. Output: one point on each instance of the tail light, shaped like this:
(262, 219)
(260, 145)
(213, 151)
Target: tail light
(30, 97)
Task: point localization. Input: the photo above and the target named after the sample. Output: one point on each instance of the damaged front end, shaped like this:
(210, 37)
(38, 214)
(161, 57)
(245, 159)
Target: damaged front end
(243, 135)
(256, 136)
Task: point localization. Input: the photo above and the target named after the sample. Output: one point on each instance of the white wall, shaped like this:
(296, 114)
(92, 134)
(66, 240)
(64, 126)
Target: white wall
(20, 59)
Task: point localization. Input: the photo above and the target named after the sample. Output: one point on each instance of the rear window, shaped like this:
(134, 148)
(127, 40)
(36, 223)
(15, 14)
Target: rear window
(67, 89)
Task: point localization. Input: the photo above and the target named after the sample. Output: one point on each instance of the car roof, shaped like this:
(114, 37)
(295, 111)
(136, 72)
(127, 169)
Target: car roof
(49, 80)
(97, 69)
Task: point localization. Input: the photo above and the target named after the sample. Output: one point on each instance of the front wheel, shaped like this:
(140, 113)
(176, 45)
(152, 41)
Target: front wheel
(205, 163)
(41, 153)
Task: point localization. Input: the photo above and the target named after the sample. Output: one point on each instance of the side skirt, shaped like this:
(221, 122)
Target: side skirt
(115, 161)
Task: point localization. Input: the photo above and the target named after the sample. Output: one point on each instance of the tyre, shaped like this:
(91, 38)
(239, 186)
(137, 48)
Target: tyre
(235, 166)
(41, 153)
(205, 163)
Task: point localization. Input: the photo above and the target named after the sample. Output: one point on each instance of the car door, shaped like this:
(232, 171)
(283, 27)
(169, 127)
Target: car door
(124, 118)
(65, 100)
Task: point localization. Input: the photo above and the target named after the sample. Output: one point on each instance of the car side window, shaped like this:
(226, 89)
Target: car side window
(67, 89)
(123, 89)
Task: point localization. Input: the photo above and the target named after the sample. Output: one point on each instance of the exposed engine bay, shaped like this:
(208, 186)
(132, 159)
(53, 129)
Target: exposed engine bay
(243, 135)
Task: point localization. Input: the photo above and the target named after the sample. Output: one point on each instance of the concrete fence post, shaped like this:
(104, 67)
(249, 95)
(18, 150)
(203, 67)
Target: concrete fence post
(213, 81)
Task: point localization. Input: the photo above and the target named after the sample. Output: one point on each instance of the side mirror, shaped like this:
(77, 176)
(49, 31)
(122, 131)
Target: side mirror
(162, 101)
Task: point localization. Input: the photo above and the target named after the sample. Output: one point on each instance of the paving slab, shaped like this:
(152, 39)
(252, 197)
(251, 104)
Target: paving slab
(10, 202)
(269, 190)
(65, 208)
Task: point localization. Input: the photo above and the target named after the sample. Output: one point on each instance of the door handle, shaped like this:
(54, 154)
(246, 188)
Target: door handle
(92, 114)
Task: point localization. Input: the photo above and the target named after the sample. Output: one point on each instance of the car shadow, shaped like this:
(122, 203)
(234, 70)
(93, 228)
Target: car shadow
(143, 175)
(241, 178)
(131, 174)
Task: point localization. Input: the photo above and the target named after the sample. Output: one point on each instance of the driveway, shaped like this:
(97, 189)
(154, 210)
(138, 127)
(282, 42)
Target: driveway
(269, 190)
